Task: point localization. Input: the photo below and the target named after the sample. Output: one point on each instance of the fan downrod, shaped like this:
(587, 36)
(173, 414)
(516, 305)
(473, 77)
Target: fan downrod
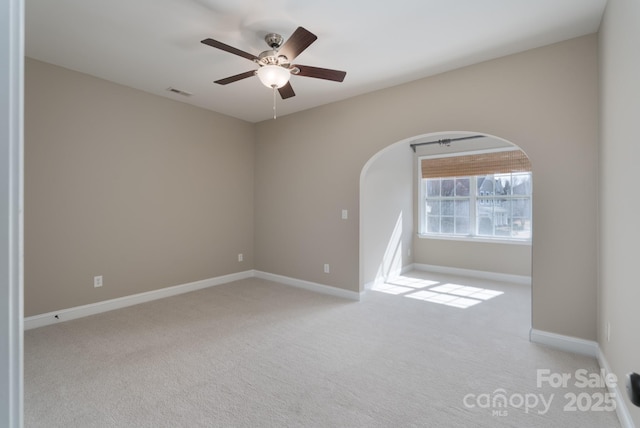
(274, 40)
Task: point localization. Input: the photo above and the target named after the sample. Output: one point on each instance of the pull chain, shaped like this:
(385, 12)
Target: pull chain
(274, 101)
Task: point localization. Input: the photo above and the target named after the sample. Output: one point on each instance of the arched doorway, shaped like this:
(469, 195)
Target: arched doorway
(390, 216)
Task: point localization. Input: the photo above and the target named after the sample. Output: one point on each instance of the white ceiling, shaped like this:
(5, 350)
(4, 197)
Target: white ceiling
(155, 44)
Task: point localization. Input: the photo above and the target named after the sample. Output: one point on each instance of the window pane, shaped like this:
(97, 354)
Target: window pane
(448, 187)
(502, 185)
(485, 185)
(433, 187)
(433, 224)
(502, 218)
(521, 220)
(447, 207)
(521, 207)
(521, 228)
(462, 208)
(506, 186)
(433, 207)
(501, 213)
(522, 184)
(485, 219)
(447, 225)
(462, 187)
(462, 226)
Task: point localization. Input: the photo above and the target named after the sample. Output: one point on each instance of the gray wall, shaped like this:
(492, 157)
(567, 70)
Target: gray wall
(145, 191)
(544, 100)
(619, 208)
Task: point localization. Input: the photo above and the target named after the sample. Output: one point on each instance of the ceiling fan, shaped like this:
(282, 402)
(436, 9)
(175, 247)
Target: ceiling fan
(275, 67)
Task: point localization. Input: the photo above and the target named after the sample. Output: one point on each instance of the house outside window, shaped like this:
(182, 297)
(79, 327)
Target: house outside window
(476, 196)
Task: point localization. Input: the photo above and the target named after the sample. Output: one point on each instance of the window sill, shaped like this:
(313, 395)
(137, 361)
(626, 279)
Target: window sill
(476, 239)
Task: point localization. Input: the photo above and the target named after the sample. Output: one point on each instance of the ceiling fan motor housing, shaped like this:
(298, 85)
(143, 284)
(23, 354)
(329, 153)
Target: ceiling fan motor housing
(274, 40)
(271, 57)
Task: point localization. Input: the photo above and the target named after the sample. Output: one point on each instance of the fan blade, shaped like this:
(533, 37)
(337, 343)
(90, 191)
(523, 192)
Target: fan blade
(321, 73)
(286, 91)
(298, 42)
(230, 49)
(235, 78)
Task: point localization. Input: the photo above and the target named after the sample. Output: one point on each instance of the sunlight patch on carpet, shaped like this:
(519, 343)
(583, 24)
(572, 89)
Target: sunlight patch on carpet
(455, 295)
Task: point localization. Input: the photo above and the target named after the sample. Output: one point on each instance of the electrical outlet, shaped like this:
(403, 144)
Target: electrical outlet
(345, 214)
(240, 257)
(326, 268)
(608, 331)
(97, 281)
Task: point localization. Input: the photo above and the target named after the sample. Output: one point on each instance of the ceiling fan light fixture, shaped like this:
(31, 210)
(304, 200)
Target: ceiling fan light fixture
(273, 76)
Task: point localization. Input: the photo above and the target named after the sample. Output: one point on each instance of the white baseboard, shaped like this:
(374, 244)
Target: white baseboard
(591, 349)
(122, 302)
(621, 405)
(308, 285)
(565, 343)
(493, 276)
(49, 318)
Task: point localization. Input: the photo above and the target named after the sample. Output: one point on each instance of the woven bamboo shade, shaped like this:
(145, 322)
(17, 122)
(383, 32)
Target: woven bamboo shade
(476, 164)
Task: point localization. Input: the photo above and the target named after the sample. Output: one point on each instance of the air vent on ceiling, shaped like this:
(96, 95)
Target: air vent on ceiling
(179, 91)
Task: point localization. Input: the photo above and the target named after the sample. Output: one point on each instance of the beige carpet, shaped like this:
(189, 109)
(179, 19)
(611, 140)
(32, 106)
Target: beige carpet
(260, 354)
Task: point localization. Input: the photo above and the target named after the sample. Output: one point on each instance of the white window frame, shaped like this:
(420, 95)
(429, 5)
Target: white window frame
(473, 197)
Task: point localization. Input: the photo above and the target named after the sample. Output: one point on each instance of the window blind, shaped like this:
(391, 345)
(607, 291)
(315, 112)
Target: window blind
(476, 164)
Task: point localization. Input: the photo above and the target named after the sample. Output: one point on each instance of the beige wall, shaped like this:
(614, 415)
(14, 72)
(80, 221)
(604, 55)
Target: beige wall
(145, 191)
(151, 193)
(510, 259)
(543, 100)
(619, 291)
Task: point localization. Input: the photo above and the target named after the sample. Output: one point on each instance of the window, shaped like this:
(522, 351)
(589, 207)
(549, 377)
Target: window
(481, 195)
